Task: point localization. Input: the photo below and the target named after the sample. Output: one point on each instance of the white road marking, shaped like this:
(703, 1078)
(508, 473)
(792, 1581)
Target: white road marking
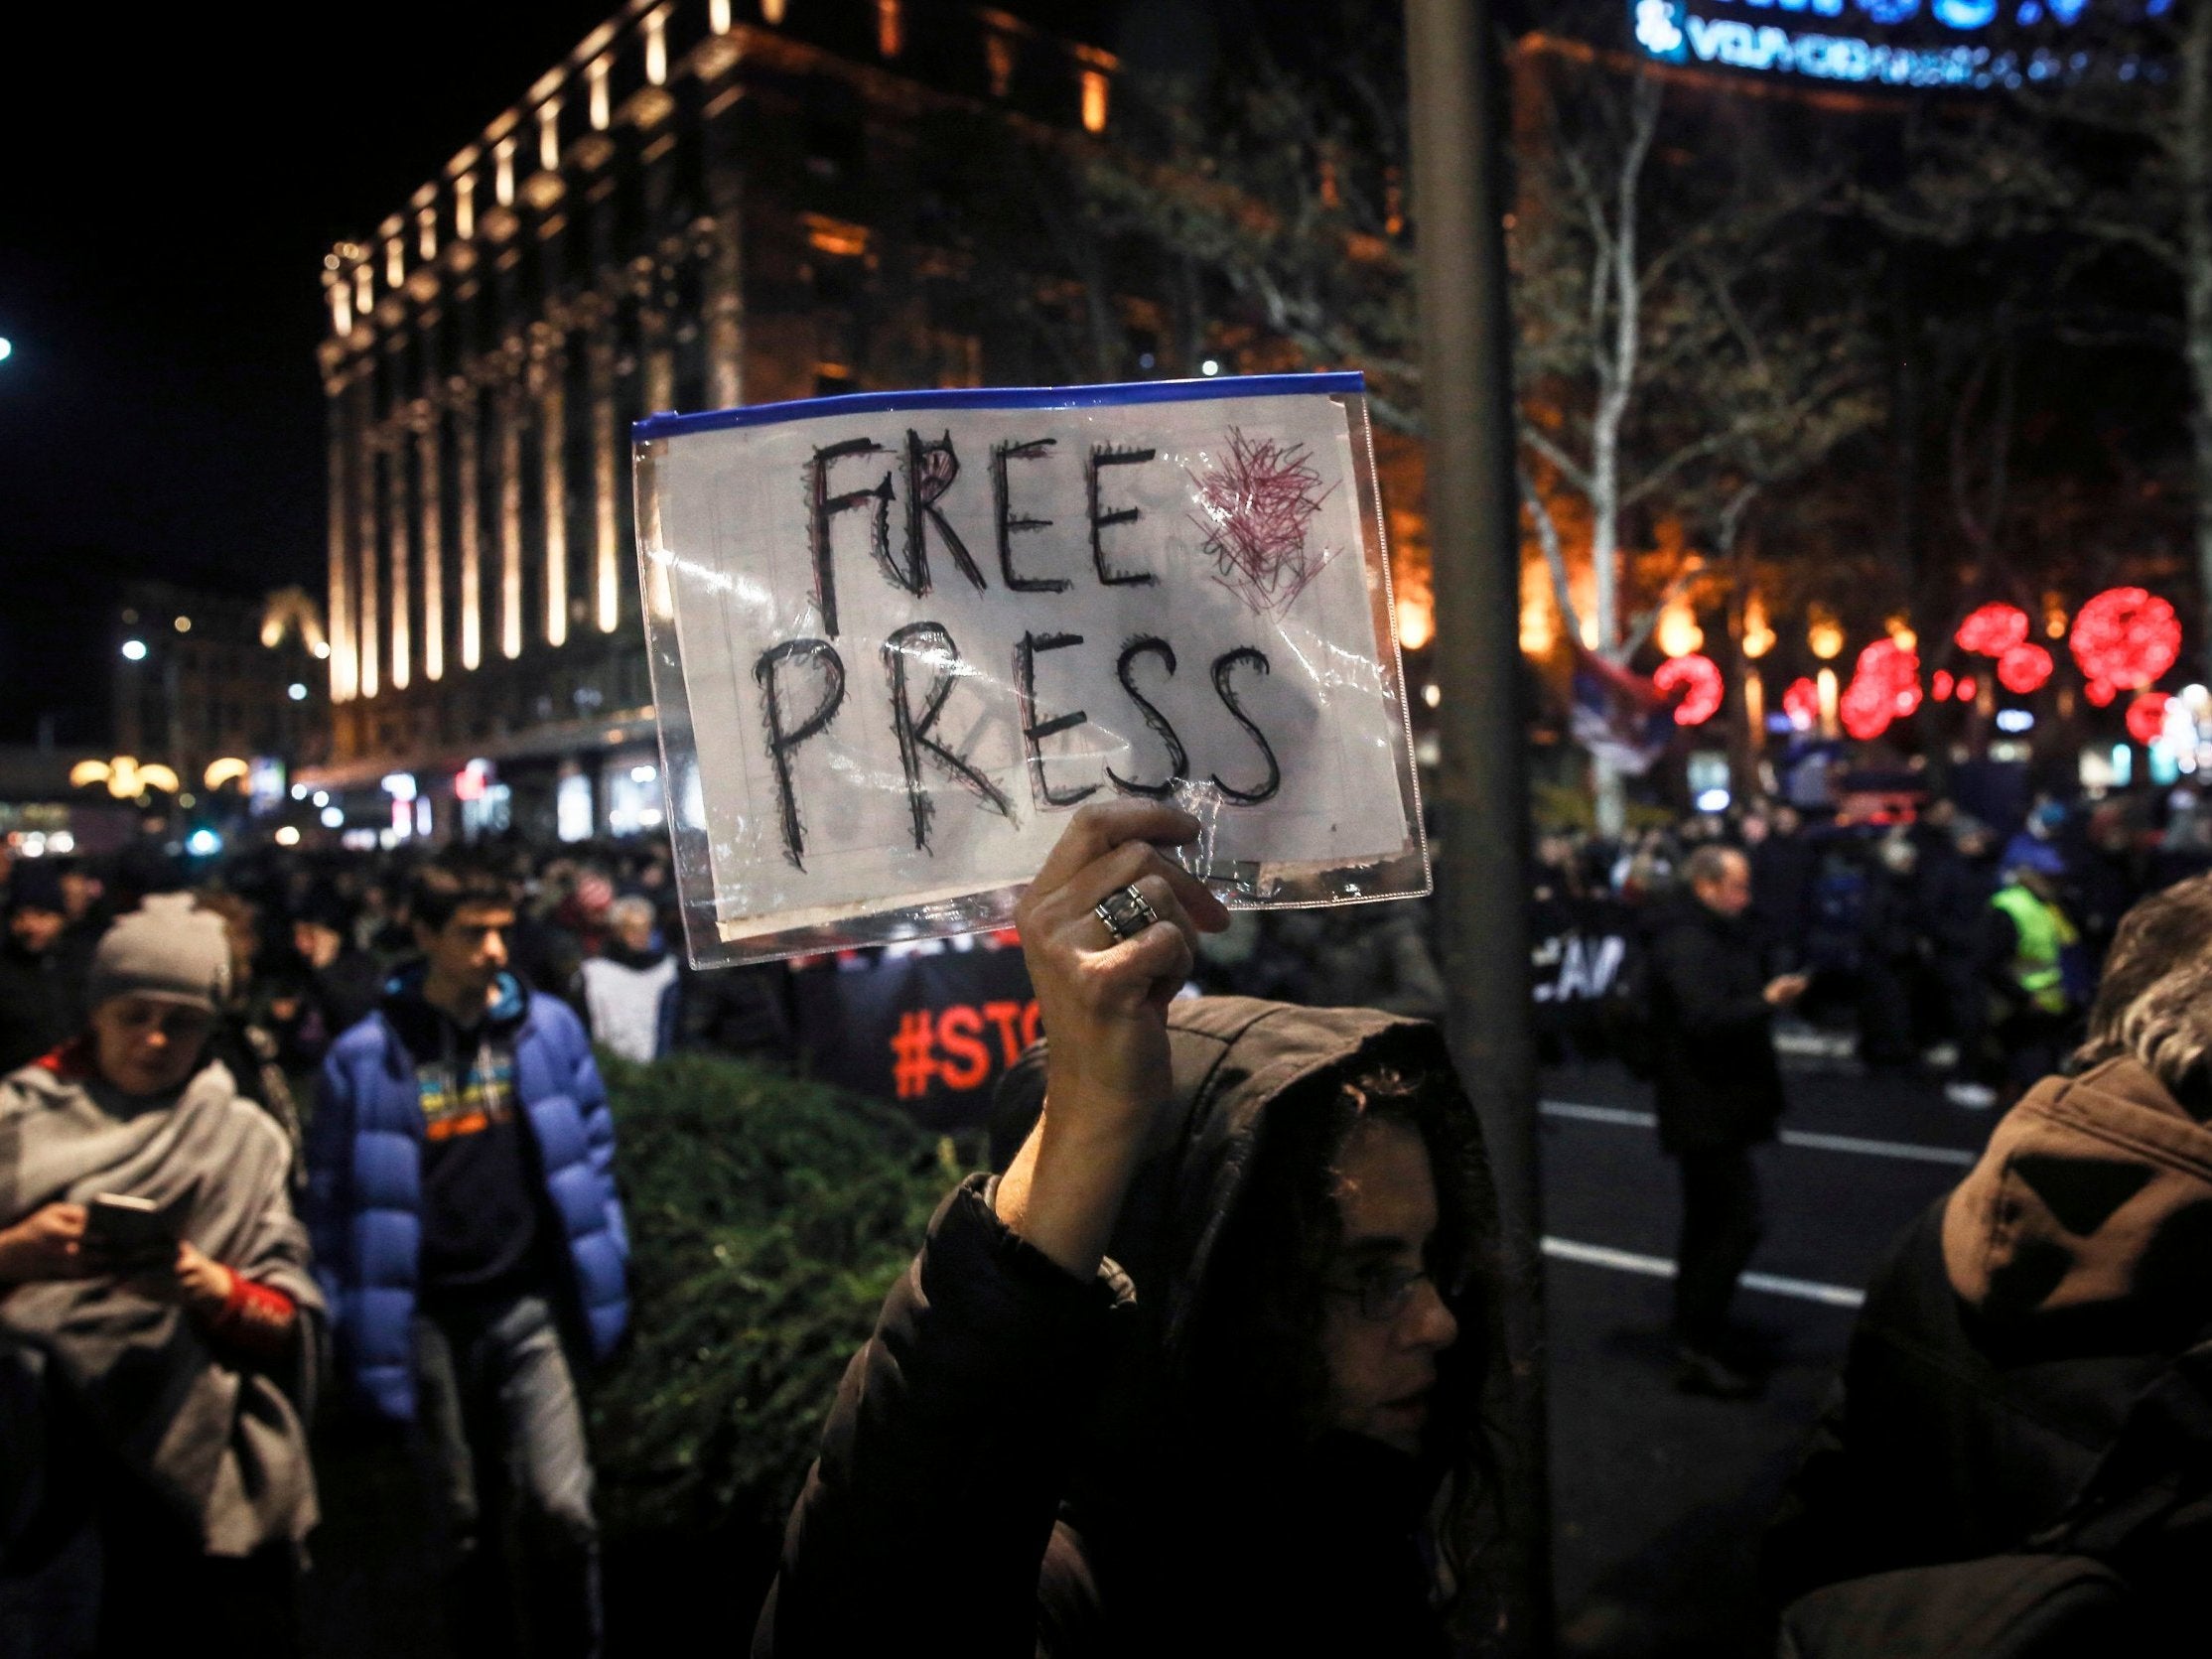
(1958, 1156)
(1658, 1267)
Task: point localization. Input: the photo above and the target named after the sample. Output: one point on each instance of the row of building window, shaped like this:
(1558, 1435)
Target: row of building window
(353, 272)
(492, 484)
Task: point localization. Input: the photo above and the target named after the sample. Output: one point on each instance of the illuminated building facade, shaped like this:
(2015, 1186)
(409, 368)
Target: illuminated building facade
(202, 677)
(708, 203)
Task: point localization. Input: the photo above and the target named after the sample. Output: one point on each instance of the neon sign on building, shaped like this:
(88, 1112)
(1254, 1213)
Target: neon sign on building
(1890, 43)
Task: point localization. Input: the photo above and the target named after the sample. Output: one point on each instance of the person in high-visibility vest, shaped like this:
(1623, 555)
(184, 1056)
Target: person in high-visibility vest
(2026, 943)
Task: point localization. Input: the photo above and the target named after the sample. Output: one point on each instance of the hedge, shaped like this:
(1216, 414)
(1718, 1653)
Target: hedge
(767, 1216)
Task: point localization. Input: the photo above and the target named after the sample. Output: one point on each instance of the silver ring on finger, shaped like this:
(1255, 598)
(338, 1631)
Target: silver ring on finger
(1125, 912)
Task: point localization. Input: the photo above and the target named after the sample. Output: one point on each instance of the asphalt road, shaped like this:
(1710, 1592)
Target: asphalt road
(1659, 1498)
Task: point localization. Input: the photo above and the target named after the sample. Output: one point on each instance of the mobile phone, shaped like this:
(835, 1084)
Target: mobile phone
(123, 1226)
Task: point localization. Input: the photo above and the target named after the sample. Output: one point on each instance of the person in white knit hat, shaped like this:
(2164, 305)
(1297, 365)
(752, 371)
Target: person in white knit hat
(159, 1329)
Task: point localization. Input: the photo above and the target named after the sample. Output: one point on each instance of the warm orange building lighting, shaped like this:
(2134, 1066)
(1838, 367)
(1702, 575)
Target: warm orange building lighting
(890, 28)
(657, 47)
(553, 421)
(1678, 632)
(1824, 636)
(1540, 617)
(1417, 625)
(1094, 102)
(433, 559)
(836, 237)
(510, 535)
(1758, 632)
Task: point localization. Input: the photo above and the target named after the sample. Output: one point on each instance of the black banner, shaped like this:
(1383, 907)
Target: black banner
(928, 1028)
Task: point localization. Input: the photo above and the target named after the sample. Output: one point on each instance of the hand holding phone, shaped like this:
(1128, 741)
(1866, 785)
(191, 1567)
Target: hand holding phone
(124, 1233)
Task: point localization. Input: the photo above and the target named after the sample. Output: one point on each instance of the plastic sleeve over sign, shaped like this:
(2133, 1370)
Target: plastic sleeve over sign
(899, 638)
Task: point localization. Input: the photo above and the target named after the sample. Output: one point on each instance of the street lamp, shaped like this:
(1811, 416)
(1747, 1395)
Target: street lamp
(134, 650)
(7, 348)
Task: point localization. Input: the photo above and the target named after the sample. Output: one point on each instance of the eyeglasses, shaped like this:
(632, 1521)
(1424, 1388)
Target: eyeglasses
(1385, 1293)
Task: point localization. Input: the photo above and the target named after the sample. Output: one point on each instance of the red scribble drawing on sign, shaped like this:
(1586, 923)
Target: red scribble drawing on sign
(1255, 506)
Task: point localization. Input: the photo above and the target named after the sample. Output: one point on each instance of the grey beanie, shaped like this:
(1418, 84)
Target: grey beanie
(163, 949)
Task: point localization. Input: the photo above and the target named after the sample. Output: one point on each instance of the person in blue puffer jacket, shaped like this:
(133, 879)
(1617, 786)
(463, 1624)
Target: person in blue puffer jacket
(470, 1240)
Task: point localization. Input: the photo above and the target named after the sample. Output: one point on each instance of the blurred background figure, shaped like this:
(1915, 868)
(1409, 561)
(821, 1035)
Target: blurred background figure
(43, 964)
(1718, 1093)
(2031, 966)
(1956, 888)
(632, 988)
(340, 983)
(1889, 946)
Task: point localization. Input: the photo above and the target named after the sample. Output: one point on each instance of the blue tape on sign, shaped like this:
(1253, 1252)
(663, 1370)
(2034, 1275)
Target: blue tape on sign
(1003, 397)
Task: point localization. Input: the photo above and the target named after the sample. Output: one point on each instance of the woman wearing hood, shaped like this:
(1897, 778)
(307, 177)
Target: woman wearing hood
(2026, 1412)
(1206, 1369)
(153, 1465)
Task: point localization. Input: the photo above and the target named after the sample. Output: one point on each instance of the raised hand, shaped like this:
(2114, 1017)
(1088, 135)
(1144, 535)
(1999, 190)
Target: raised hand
(1104, 1005)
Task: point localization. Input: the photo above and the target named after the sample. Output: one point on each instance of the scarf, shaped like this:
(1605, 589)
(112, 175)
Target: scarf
(224, 1449)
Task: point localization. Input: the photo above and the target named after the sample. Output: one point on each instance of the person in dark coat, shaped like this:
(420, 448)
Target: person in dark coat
(2108, 879)
(1718, 1093)
(1888, 955)
(1205, 1369)
(42, 969)
(743, 1013)
(1957, 882)
(2032, 1368)
(341, 984)
(1784, 862)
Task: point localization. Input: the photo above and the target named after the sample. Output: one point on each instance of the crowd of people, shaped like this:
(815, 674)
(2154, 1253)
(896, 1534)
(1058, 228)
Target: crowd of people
(193, 1246)
(1211, 1360)
(1937, 941)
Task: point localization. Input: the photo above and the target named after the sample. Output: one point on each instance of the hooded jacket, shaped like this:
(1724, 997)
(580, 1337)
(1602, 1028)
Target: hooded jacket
(1010, 1468)
(363, 1199)
(2030, 1369)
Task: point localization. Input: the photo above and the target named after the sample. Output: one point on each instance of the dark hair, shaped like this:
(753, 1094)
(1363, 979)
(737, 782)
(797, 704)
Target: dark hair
(449, 883)
(1255, 1366)
(1708, 864)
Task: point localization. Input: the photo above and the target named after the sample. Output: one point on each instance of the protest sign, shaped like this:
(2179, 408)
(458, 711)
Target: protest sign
(899, 637)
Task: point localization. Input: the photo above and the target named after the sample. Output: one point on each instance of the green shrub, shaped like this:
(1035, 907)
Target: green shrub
(768, 1218)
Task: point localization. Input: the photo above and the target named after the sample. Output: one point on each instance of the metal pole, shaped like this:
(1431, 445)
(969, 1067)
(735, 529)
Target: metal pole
(1460, 202)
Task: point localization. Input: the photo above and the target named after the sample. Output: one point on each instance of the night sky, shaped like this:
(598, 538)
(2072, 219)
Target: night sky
(173, 177)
